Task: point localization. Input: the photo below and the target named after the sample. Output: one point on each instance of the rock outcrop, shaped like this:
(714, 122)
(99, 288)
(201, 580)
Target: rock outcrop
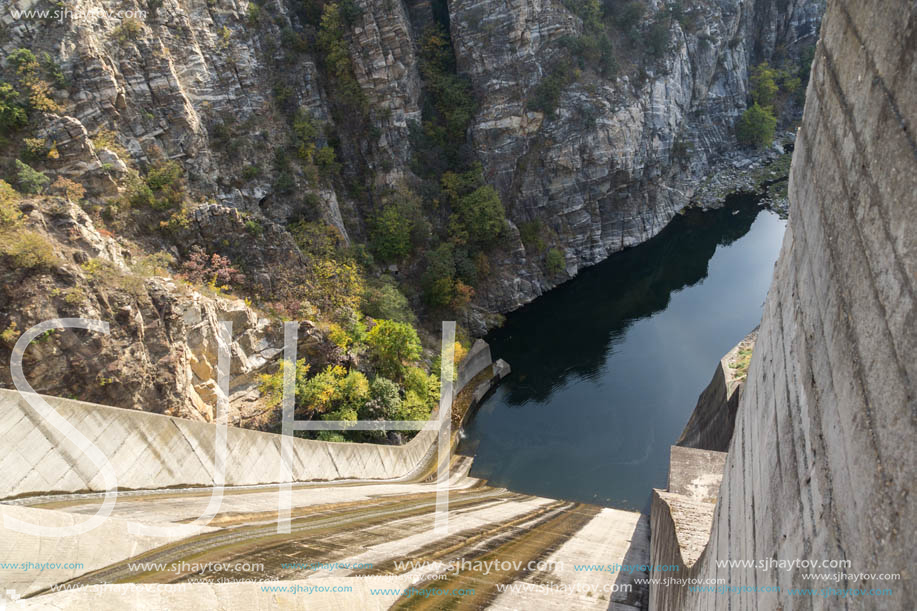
(213, 84)
(821, 464)
(161, 351)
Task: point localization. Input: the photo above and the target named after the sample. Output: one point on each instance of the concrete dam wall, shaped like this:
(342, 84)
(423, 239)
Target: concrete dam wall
(149, 450)
(822, 459)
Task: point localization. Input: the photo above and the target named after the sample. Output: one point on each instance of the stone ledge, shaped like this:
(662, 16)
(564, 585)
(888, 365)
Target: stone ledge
(696, 474)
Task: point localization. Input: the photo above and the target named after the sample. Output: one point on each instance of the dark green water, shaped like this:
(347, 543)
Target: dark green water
(607, 367)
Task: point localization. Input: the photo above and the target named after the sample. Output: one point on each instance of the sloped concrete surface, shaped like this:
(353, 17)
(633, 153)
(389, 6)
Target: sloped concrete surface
(113, 542)
(711, 423)
(153, 451)
(150, 451)
(352, 525)
(194, 597)
(350, 503)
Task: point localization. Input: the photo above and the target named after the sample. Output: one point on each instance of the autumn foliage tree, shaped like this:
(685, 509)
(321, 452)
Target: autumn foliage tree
(393, 345)
(214, 269)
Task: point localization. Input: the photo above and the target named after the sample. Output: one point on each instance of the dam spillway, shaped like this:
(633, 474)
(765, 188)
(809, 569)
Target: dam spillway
(352, 505)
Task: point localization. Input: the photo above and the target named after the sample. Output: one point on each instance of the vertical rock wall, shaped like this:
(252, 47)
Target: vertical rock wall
(822, 461)
(215, 86)
(603, 171)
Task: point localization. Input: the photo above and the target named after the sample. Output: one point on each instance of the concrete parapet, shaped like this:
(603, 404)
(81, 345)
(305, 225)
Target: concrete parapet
(680, 529)
(681, 518)
(477, 359)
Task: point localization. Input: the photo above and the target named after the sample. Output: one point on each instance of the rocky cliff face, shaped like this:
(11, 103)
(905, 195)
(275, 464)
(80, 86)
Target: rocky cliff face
(605, 171)
(207, 82)
(162, 349)
(218, 86)
(161, 352)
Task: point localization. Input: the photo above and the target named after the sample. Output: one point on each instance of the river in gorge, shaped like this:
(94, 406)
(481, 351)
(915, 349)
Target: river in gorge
(607, 368)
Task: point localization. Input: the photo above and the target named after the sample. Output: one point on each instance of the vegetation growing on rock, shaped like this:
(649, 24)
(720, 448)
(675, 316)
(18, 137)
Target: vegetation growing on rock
(24, 248)
(756, 126)
(394, 346)
(338, 163)
(771, 90)
(28, 179)
(12, 109)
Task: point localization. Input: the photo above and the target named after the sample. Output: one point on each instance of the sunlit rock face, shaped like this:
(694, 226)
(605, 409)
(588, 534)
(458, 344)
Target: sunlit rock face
(211, 85)
(609, 169)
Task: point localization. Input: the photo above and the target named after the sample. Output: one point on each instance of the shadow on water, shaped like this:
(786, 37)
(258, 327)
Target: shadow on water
(603, 366)
(609, 297)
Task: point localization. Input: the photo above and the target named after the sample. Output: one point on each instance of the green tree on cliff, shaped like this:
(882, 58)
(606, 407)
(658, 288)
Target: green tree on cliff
(756, 126)
(12, 109)
(393, 346)
(390, 236)
(764, 85)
